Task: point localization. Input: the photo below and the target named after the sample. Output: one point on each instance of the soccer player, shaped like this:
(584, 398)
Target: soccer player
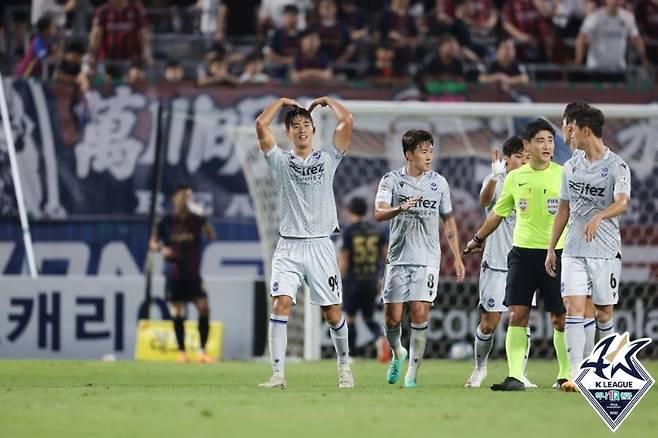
(567, 127)
(596, 188)
(178, 238)
(494, 261)
(532, 192)
(359, 261)
(304, 179)
(415, 199)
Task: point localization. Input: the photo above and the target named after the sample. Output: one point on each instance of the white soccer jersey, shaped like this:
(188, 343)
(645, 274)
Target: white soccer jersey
(499, 243)
(590, 189)
(306, 191)
(414, 236)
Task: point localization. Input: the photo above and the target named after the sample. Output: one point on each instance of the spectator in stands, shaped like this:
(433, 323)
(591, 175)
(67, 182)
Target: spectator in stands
(70, 67)
(174, 71)
(120, 32)
(56, 9)
(311, 65)
(443, 20)
(272, 12)
(355, 18)
(397, 26)
(236, 19)
(647, 17)
(444, 65)
(384, 70)
(217, 73)
(136, 71)
(283, 43)
(505, 71)
(40, 48)
(335, 38)
(254, 70)
(481, 18)
(569, 16)
(605, 33)
(527, 22)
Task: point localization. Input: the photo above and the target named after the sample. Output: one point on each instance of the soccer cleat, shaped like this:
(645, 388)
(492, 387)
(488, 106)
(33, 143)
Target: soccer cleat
(276, 381)
(569, 386)
(410, 382)
(202, 357)
(346, 378)
(558, 384)
(393, 374)
(182, 357)
(509, 384)
(527, 383)
(477, 376)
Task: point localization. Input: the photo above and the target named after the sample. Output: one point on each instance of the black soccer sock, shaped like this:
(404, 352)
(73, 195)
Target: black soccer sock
(179, 329)
(203, 331)
(351, 336)
(375, 328)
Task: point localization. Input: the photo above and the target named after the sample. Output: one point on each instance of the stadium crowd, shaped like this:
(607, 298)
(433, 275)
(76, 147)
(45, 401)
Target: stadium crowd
(376, 42)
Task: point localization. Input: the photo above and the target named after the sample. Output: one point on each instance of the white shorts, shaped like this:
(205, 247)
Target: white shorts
(492, 290)
(312, 261)
(404, 283)
(589, 276)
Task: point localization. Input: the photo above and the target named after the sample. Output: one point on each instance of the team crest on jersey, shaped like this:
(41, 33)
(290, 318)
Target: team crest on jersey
(523, 204)
(491, 302)
(275, 286)
(604, 172)
(613, 380)
(552, 205)
(316, 155)
(434, 187)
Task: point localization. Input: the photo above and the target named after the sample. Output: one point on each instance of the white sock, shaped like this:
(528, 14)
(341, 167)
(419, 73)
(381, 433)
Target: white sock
(417, 344)
(393, 338)
(590, 335)
(339, 338)
(527, 349)
(605, 328)
(574, 337)
(278, 343)
(482, 347)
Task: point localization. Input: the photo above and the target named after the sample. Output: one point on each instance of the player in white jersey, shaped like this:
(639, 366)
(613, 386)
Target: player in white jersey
(493, 274)
(596, 188)
(304, 179)
(416, 200)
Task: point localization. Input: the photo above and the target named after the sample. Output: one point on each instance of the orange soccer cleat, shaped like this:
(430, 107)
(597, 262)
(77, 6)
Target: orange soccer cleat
(182, 357)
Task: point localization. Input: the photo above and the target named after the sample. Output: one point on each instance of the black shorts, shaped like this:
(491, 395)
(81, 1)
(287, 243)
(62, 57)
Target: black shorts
(184, 289)
(526, 274)
(360, 296)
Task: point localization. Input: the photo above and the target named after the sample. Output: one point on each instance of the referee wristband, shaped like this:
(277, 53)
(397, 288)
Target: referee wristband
(477, 240)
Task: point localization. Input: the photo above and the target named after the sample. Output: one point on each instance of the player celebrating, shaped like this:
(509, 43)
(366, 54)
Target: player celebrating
(363, 247)
(304, 180)
(494, 261)
(178, 238)
(532, 192)
(596, 188)
(414, 198)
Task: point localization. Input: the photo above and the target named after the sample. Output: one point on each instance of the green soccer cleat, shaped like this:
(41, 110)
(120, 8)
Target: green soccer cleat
(394, 369)
(410, 382)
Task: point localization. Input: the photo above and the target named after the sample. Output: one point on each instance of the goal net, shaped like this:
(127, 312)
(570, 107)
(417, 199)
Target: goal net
(464, 136)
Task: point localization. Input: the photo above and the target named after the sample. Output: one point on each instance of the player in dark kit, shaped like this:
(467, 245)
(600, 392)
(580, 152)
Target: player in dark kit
(364, 246)
(178, 238)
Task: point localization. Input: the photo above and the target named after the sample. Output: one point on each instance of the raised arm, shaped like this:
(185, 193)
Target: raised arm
(265, 136)
(343, 132)
(450, 228)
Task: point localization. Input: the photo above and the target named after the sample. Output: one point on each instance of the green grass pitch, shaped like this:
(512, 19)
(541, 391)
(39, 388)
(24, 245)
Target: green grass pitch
(128, 399)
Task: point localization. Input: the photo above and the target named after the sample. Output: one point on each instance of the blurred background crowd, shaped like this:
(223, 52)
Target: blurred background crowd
(432, 43)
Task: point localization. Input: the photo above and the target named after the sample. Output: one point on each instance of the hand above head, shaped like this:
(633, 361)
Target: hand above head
(497, 165)
(320, 101)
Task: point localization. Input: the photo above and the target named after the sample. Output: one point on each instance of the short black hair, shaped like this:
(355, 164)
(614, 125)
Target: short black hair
(181, 187)
(358, 206)
(307, 32)
(532, 128)
(44, 22)
(172, 63)
(291, 9)
(414, 138)
(513, 145)
(297, 111)
(591, 118)
(75, 46)
(114, 71)
(573, 107)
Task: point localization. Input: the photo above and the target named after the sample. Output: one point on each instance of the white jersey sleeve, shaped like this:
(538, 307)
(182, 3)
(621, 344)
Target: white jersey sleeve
(275, 159)
(385, 190)
(622, 184)
(333, 158)
(564, 187)
(445, 204)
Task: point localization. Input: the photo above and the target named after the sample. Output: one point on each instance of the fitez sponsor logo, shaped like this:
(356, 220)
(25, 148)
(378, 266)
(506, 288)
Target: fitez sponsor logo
(586, 189)
(613, 380)
(307, 170)
(421, 202)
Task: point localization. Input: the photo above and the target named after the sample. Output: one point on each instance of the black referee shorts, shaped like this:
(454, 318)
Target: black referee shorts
(185, 289)
(526, 274)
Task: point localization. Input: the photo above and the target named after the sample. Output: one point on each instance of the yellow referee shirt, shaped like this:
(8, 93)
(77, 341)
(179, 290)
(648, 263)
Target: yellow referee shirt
(535, 195)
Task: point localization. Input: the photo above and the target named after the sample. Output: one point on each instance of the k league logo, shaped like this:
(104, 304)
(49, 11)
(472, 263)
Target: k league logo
(613, 380)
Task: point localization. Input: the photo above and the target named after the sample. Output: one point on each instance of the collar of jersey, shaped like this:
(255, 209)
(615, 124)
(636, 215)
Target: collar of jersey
(313, 151)
(404, 174)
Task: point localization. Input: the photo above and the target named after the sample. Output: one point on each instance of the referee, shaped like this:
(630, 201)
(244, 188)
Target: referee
(532, 193)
